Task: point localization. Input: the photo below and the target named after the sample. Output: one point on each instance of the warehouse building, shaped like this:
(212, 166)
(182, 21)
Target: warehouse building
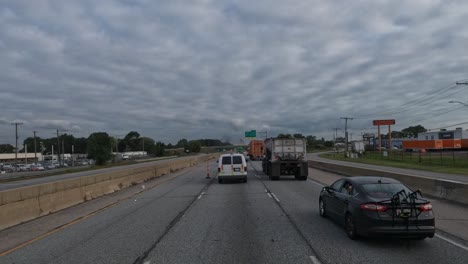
(22, 157)
(458, 133)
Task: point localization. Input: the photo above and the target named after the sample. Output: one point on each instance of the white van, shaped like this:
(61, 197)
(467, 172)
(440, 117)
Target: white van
(232, 166)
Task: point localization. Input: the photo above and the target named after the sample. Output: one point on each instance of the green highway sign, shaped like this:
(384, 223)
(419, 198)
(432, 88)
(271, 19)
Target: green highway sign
(252, 134)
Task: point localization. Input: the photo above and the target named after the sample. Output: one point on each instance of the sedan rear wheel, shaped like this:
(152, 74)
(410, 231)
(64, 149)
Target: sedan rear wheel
(322, 208)
(350, 227)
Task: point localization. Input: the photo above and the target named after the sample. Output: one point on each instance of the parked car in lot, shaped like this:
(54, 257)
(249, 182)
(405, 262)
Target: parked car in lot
(22, 167)
(377, 206)
(8, 168)
(51, 166)
(232, 166)
(37, 167)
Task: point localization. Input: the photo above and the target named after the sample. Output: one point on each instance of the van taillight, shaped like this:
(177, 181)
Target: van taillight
(425, 207)
(373, 207)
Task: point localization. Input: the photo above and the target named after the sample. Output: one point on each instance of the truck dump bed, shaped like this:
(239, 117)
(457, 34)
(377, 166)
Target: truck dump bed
(291, 149)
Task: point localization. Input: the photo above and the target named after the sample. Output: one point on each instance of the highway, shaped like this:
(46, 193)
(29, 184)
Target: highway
(190, 219)
(46, 179)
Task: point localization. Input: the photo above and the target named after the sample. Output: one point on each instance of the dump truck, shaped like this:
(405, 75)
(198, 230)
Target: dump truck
(256, 150)
(285, 156)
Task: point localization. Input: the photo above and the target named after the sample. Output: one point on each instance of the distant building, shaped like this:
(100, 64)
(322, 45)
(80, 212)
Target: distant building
(22, 157)
(458, 133)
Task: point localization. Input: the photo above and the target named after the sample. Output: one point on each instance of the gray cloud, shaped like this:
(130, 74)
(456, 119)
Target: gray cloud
(173, 69)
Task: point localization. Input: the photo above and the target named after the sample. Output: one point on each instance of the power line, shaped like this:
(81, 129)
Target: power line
(416, 101)
(449, 126)
(432, 116)
(425, 102)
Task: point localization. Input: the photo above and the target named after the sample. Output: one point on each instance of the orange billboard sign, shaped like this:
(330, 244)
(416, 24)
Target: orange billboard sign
(383, 122)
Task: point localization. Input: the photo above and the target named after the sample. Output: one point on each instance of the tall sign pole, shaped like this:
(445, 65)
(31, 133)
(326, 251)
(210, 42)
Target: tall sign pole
(379, 123)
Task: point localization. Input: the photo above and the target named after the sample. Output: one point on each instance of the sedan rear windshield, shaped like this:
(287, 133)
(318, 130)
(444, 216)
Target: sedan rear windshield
(236, 159)
(384, 190)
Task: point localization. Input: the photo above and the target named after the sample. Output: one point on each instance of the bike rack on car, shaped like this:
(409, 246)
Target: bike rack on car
(401, 199)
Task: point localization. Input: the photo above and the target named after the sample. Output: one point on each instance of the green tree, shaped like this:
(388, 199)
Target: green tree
(194, 146)
(99, 147)
(183, 143)
(298, 136)
(285, 136)
(158, 149)
(131, 142)
(6, 148)
(413, 131)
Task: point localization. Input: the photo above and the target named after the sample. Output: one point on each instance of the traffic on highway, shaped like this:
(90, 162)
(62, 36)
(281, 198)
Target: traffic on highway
(186, 218)
(218, 131)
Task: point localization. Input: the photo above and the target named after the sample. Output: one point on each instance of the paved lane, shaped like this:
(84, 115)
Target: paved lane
(329, 240)
(193, 220)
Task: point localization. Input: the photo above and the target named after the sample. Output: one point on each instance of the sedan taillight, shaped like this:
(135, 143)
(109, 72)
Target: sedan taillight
(373, 207)
(425, 207)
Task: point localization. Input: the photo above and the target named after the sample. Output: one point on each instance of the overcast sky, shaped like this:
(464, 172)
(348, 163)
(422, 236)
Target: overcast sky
(214, 69)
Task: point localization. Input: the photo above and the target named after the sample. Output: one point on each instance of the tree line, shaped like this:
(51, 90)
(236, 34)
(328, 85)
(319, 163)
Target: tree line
(100, 145)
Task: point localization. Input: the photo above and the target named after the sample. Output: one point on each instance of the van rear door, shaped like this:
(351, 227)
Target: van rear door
(226, 165)
(237, 165)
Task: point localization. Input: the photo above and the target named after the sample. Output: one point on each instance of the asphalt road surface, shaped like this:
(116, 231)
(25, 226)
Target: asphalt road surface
(190, 219)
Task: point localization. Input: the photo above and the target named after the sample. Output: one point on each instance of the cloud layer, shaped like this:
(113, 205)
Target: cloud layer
(213, 69)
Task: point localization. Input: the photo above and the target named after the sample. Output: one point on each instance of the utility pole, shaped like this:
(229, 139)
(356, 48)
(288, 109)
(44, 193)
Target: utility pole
(336, 133)
(58, 148)
(16, 124)
(35, 152)
(346, 133)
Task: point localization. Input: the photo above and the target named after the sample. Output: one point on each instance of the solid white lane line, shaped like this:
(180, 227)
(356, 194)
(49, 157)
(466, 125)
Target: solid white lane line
(314, 182)
(315, 260)
(276, 198)
(269, 195)
(452, 242)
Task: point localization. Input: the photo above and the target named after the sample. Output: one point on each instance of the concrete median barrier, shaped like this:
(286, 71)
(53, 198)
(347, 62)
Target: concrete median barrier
(437, 188)
(27, 203)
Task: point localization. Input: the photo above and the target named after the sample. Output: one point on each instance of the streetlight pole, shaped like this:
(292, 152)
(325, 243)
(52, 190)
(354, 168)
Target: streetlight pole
(465, 104)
